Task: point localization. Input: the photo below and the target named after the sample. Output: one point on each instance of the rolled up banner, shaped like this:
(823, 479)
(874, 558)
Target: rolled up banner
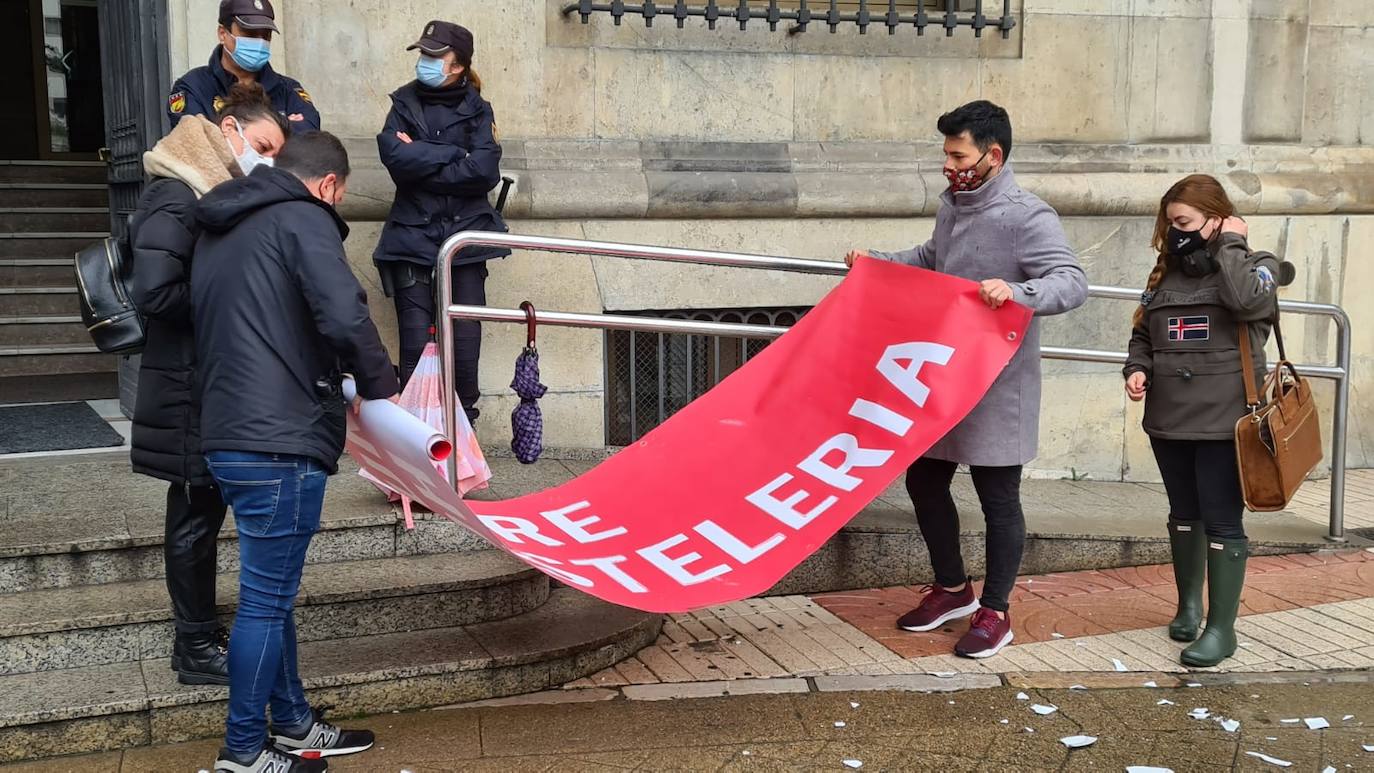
(394, 427)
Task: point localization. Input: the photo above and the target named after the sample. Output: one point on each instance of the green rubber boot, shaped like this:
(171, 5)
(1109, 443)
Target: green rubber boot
(1188, 543)
(1225, 579)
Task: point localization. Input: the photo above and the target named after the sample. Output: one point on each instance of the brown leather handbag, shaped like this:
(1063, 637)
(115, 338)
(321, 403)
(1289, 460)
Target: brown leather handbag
(1278, 442)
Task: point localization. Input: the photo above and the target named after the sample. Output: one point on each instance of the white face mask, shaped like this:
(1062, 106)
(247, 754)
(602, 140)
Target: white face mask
(250, 158)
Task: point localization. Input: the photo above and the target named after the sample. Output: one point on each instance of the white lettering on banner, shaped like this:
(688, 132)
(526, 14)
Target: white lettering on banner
(734, 546)
(854, 456)
(576, 529)
(676, 568)
(881, 416)
(907, 378)
(608, 565)
(511, 529)
(785, 510)
(551, 565)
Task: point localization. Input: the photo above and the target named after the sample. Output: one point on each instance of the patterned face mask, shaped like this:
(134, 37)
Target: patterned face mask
(966, 179)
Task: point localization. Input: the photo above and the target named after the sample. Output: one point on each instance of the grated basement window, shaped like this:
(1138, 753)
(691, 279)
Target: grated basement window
(801, 14)
(651, 376)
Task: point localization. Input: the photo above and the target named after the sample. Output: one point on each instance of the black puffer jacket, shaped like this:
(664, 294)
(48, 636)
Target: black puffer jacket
(278, 316)
(166, 426)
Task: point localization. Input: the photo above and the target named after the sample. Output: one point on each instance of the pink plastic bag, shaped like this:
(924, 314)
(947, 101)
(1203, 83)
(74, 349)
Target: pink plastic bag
(423, 398)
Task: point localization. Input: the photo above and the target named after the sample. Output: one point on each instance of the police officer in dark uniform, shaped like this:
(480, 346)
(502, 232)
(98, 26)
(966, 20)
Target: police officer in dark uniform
(440, 146)
(245, 45)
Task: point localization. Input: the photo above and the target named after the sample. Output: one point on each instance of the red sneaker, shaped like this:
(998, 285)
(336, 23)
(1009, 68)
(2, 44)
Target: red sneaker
(939, 607)
(987, 635)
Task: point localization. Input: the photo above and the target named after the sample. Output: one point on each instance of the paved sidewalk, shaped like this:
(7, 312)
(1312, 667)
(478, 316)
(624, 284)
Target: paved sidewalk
(1301, 612)
(990, 728)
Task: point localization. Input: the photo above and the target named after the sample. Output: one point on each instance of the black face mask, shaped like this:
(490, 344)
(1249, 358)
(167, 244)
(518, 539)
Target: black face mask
(1189, 249)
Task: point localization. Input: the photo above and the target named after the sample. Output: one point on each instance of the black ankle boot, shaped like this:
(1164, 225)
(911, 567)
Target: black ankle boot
(201, 659)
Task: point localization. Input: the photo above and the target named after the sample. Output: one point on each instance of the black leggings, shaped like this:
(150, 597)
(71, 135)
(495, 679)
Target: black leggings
(415, 314)
(999, 492)
(1202, 480)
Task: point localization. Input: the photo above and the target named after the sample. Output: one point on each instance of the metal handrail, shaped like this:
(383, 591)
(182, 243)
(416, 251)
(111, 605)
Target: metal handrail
(1340, 372)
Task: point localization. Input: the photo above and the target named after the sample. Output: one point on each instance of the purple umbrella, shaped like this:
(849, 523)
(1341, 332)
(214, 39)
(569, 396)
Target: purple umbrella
(527, 422)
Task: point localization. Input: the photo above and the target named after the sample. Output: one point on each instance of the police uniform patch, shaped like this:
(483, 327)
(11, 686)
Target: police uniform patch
(303, 94)
(177, 102)
(217, 105)
(1266, 277)
(1196, 328)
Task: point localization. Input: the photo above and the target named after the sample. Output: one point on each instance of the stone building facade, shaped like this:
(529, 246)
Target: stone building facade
(814, 143)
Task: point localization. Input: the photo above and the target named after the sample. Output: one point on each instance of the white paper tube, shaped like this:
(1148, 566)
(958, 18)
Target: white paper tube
(391, 424)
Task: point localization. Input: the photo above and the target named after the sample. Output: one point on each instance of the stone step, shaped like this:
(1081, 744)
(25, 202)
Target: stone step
(135, 703)
(54, 195)
(36, 272)
(93, 521)
(48, 245)
(50, 389)
(54, 219)
(93, 625)
(55, 300)
(50, 172)
(27, 331)
(48, 360)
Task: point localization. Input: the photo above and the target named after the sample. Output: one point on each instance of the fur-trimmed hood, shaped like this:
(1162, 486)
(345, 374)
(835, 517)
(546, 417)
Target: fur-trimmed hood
(196, 153)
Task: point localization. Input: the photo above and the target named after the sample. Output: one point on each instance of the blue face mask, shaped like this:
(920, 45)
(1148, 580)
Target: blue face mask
(251, 53)
(430, 71)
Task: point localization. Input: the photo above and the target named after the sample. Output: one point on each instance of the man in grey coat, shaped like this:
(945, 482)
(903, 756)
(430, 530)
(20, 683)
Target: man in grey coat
(991, 231)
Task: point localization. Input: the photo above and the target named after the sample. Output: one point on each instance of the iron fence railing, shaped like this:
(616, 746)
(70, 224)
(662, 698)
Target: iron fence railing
(1340, 372)
(803, 13)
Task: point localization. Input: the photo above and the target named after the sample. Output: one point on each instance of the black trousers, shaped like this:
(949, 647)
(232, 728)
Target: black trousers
(999, 492)
(415, 314)
(194, 518)
(1202, 479)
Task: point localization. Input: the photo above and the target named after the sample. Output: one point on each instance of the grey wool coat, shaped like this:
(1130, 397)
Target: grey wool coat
(1000, 231)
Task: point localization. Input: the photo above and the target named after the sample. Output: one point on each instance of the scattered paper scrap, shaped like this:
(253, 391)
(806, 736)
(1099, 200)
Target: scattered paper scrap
(1164, 702)
(1152, 684)
(855, 764)
(1271, 760)
(1347, 717)
(1316, 723)
(1230, 725)
(1118, 665)
(1147, 769)
(1056, 636)
(1195, 684)
(1200, 713)
(1329, 769)
(1043, 710)
(1004, 722)
(1077, 687)
(943, 674)
(1078, 741)
(853, 705)
(1022, 696)
(840, 724)
(746, 752)
(1030, 730)
(1290, 721)
(1367, 747)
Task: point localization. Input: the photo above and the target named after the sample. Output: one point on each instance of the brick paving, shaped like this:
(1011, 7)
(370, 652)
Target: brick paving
(1301, 612)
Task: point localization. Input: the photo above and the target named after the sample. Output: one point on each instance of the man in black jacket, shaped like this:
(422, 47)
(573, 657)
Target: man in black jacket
(278, 317)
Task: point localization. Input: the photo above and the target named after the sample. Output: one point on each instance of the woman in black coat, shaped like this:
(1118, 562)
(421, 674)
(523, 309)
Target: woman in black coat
(196, 156)
(439, 144)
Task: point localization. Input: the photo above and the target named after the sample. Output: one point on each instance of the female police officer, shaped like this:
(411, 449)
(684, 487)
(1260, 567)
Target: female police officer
(439, 144)
(1185, 363)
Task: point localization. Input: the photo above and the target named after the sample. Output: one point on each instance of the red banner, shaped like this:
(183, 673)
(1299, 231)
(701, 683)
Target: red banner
(735, 490)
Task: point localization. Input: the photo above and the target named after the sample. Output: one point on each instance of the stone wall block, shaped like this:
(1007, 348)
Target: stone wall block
(1170, 79)
(1275, 80)
(863, 99)
(1339, 108)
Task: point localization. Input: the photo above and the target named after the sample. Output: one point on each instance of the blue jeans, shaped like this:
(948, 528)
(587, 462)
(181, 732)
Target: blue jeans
(277, 501)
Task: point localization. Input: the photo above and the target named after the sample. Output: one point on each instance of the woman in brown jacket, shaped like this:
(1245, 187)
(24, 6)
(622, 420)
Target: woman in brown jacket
(1207, 289)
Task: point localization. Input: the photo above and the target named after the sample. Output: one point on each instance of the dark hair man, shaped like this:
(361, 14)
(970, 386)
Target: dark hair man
(245, 46)
(278, 317)
(989, 230)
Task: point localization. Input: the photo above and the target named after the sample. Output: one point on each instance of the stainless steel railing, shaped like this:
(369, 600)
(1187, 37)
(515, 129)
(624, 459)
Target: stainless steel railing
(1340, 372)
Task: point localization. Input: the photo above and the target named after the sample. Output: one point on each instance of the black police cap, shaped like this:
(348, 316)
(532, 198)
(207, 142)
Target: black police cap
(440, 37)
(249, 14)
